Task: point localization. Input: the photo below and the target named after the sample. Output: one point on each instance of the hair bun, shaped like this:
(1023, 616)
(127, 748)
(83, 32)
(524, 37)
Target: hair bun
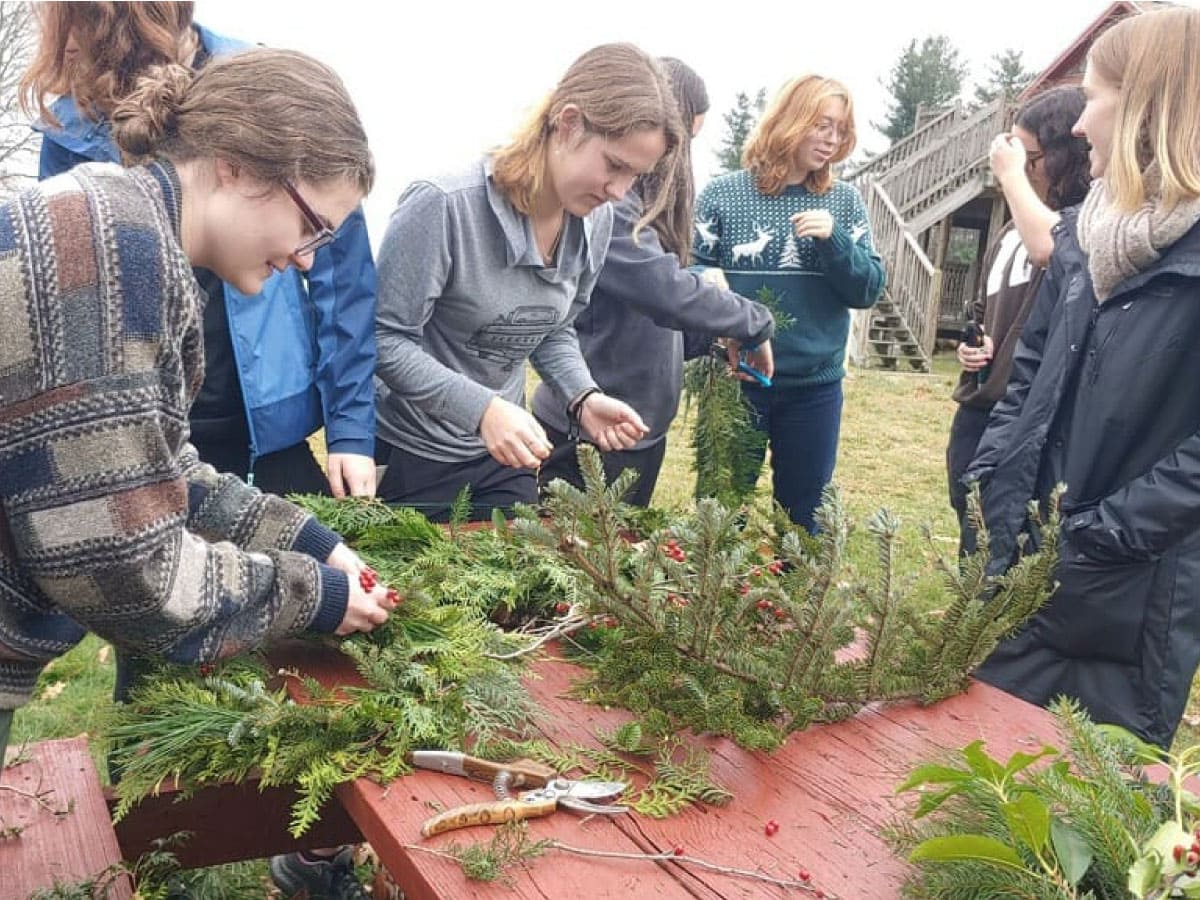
(143, 121)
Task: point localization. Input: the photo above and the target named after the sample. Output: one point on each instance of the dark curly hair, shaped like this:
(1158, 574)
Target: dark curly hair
(1049, 117)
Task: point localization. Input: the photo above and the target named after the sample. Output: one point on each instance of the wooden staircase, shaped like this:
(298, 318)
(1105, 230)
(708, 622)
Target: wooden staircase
(919, 182)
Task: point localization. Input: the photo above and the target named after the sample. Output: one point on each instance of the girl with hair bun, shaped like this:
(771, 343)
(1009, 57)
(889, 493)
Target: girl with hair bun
(1103, 399)
(482, 270)
(108, 520)
(280, 364)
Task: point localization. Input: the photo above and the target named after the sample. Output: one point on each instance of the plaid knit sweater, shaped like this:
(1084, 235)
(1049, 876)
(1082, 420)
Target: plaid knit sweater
(108, 520)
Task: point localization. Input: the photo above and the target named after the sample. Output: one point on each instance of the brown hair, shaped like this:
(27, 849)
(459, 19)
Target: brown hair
(277, 114)
(771, 148)
(118, 42)
(1153, 59)
(674, 224)
(618, 90)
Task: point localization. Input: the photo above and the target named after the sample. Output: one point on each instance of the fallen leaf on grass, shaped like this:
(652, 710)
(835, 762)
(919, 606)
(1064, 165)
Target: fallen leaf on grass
(53, 690)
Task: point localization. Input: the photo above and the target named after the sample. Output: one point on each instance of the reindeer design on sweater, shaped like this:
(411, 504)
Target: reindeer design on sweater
(708, 237)
(752, 250)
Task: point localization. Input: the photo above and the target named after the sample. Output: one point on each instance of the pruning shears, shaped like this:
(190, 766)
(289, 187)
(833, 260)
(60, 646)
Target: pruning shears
(546, 791)
(718, 350)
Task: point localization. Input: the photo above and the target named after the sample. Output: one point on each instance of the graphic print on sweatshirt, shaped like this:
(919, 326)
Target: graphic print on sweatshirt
(510, 339)
(738, 228)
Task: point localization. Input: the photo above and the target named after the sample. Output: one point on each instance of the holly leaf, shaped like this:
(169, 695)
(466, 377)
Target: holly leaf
(1018, 762)
(933, 774)
(960, 847)
(982, 764)
(1073, 852)
(1028, 819)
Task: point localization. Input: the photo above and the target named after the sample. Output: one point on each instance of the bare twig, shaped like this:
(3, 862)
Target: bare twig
(561, 628)
(665, 856)
(38, 797)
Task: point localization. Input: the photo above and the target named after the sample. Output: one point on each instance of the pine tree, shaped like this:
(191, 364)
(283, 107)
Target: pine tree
(789, 257)
(927, 76)
(1007, 77)
(739, 122)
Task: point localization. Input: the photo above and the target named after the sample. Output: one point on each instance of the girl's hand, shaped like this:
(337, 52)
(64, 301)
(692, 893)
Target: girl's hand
(816, 223)
(513, 436)
(351, 475)
(1007, 155)
(975, 358)
(611, 423)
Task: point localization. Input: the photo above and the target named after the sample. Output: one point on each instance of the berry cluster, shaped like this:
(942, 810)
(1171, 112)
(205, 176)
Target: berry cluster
(673, 551)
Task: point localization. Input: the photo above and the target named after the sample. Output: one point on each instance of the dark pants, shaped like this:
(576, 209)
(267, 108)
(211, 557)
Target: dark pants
(431, 487)
(802, 426)
(6, 717)
(293, 470)
(564, 463)
(965, 432)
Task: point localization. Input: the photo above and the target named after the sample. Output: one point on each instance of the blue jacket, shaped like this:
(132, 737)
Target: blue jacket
(301, 364)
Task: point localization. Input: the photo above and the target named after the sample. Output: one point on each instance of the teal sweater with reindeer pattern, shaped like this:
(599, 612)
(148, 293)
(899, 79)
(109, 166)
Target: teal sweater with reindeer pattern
(749, 235)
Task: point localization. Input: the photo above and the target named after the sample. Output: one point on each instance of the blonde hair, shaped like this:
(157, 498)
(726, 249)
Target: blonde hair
(277, 114)
(118, 43)
(1153, 59)
(771, 149)
(618, 90)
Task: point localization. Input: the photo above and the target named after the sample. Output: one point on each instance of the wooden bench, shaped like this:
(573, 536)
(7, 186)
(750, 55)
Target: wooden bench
(57, 828)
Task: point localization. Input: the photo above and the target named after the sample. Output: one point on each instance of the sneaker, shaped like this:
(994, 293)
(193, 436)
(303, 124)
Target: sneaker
(317, 878)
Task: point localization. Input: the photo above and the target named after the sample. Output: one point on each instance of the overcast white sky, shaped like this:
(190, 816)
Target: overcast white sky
(437, 83)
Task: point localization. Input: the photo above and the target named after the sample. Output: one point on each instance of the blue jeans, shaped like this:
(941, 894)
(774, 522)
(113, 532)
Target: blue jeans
(802, 425)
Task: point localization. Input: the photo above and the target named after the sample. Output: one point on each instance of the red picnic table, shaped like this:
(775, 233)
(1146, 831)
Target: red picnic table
(831, 788)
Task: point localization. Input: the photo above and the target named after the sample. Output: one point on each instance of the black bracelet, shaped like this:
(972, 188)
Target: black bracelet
(575, 411)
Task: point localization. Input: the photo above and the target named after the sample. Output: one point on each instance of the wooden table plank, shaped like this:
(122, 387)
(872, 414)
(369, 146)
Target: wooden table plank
(77, 845)
(830, 788)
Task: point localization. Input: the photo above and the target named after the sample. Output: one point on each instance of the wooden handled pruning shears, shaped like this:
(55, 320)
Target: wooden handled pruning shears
(546, 791)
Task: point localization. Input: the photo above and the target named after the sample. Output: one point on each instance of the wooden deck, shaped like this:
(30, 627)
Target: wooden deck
(831, 789)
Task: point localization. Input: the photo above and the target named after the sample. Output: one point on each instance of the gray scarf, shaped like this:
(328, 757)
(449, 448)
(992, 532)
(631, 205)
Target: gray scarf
(1121, 244)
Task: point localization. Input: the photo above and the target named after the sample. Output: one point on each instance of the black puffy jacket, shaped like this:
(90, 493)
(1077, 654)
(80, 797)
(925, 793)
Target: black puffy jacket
(1106, 399)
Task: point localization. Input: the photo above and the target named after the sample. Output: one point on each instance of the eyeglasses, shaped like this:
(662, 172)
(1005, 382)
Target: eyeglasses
(322, 233)
(827, 129)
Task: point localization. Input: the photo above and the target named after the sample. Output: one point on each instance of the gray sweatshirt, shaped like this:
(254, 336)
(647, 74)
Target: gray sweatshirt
(464, 300)
(630, 333)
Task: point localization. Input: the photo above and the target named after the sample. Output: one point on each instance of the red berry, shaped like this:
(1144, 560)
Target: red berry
(743, 589)
(394, 597)
(780, 614)
(1178, 852)
(771, 827)
(678, 851)
(366, 580)
(207, 669)
(819, 894)
(775, 568)
(562, 608)
(764, 604)
(804, 876)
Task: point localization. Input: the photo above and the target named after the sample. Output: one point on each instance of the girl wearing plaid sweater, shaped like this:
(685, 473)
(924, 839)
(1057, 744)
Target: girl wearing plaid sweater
(108, 521)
